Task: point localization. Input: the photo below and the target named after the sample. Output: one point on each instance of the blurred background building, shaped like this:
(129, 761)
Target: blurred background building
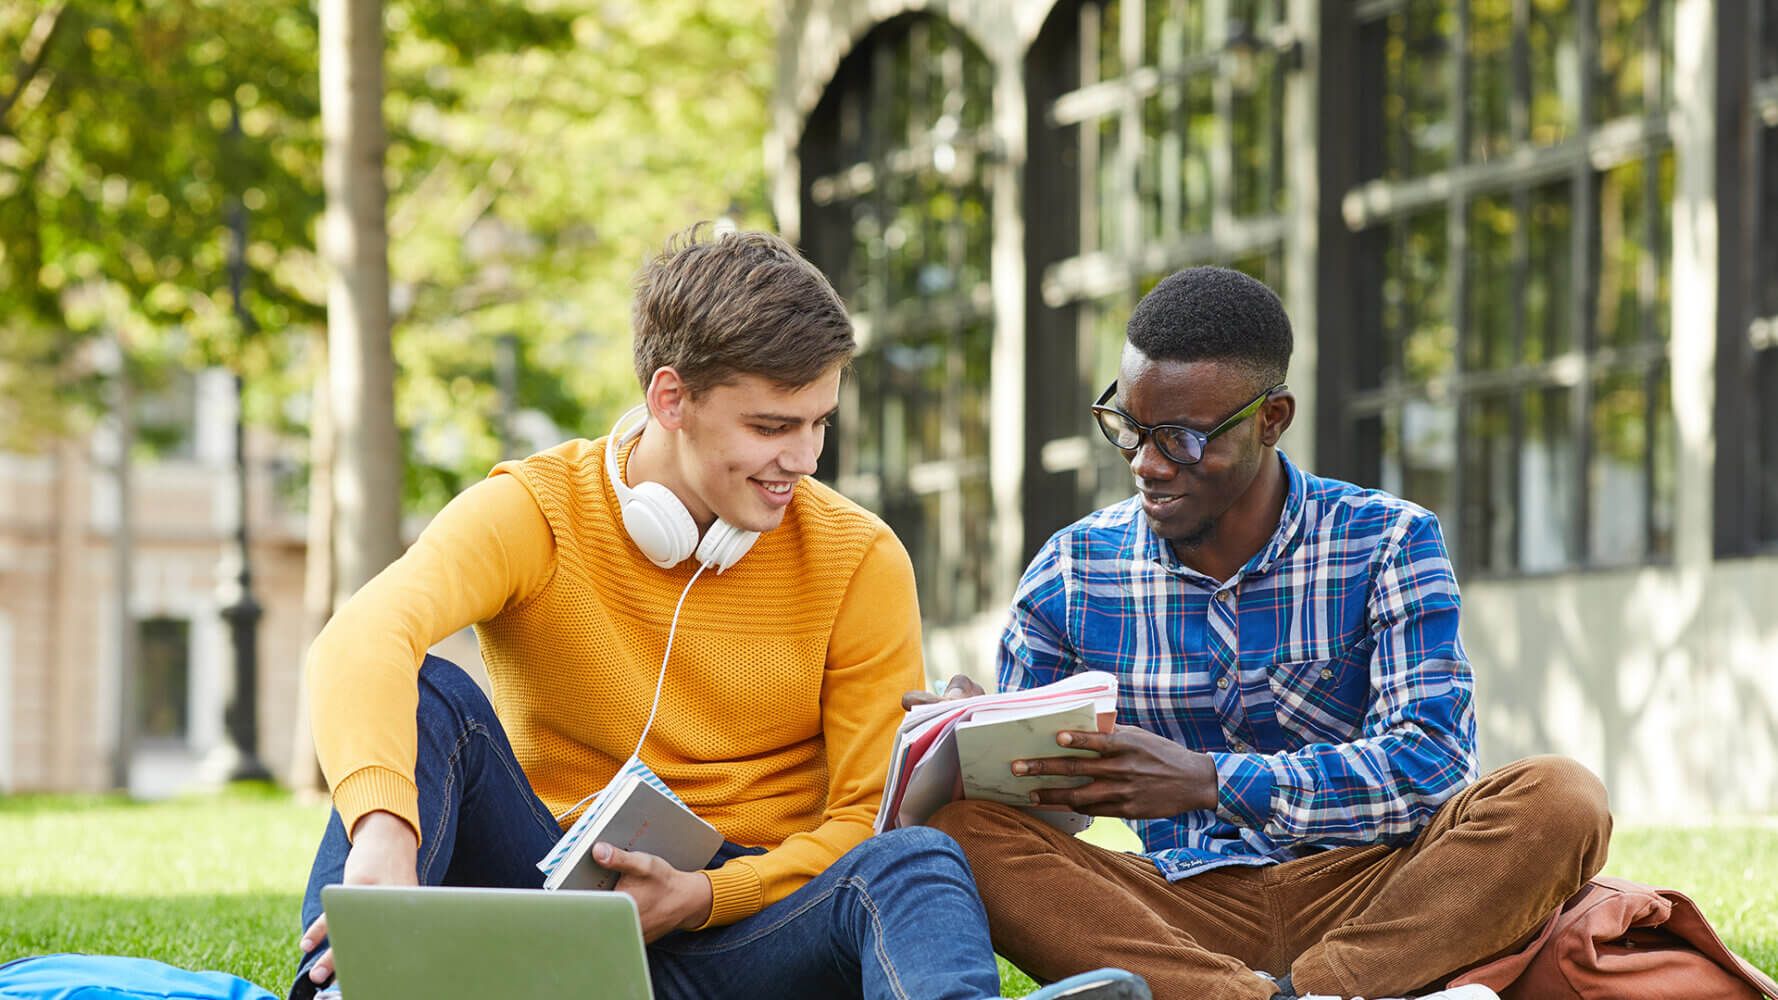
(1530, 248)
(60, 645)
(63, 551)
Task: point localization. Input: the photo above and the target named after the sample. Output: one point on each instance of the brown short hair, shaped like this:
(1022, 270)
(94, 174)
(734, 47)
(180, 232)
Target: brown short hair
(715, 305)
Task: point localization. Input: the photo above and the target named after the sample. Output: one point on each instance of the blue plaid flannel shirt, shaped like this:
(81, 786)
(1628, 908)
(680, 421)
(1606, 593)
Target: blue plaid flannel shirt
(1325, 678)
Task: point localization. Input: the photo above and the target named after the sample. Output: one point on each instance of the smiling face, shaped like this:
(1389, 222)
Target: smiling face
(743, 445)
(1185, 503)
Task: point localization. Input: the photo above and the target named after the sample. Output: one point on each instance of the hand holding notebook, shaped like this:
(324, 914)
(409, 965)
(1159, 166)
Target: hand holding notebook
(964, 748)
(635, 812)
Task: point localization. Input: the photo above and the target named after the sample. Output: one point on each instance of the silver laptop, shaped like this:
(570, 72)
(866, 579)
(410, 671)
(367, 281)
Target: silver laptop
(394, 943)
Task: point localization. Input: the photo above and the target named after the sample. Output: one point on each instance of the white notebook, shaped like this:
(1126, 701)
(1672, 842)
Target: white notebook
(636, 812)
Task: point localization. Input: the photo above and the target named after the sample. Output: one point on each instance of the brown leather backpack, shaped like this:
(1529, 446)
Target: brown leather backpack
(1617, 940)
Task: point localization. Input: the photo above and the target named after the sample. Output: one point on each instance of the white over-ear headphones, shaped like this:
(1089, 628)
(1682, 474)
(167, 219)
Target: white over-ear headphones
(658, 522)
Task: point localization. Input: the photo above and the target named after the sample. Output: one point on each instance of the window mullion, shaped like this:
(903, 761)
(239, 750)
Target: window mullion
(1457, 230)
(1090, 25)
(1222, 166)
(1652, 76)
(1648, 296)
(1517, 397)
(1519, 116)
(1172, 51)
(882, 94)
(1130, 139)
(1585, 249)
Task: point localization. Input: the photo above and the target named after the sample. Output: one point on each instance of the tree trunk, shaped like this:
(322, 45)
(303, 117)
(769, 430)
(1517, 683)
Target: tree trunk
(367, 471)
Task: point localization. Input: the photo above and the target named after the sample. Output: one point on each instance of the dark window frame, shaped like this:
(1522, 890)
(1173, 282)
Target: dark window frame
(1094, 73)
(1361, 208)
(1746, 416)
(924, 317)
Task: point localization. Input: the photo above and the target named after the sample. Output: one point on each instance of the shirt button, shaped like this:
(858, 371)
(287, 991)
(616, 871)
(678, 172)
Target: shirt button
(1223, 596)
(1222, 683)
(1239, 747)
(1326, 674)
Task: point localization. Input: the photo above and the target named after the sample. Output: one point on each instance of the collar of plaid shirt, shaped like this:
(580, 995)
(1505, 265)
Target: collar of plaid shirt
(1326, 679)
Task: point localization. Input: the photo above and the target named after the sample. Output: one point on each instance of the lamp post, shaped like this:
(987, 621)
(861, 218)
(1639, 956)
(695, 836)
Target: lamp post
(240, 750)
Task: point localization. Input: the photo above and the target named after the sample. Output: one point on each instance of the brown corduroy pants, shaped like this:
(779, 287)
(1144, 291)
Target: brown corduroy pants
(1494, 862)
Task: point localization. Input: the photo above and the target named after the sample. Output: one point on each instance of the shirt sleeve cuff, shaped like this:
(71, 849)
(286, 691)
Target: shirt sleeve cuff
(369, 789)
(735, 894)
(1243, 789)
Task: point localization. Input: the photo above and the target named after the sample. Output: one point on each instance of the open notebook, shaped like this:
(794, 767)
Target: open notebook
(965, 748)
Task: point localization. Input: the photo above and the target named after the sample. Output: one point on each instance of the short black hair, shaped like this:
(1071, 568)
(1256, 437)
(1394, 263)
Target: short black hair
(1214, 314)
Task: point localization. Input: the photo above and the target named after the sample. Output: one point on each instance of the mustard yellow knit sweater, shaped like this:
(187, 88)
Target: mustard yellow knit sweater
(781, 699)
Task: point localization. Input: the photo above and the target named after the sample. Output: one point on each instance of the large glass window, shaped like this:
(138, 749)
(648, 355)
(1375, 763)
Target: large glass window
(1762, 330)
(1508, 367)
(1172, 128)
(896, 199)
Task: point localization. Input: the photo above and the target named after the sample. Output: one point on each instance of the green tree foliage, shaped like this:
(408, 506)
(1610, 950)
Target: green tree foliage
(119, 154)
(539, 151)
(533, 184)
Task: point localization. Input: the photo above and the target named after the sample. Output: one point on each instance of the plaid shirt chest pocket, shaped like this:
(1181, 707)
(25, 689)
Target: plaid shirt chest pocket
(1322, 699)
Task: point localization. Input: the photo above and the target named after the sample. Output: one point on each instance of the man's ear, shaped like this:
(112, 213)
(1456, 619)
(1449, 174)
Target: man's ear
(666, 398)
(1275, 417)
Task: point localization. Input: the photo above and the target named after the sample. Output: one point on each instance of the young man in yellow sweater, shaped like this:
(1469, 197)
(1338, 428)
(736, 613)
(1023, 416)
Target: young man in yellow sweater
(797, 634)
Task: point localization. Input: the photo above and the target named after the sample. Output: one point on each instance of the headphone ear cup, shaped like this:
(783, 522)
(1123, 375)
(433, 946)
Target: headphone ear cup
(659, 524)
(724, 545)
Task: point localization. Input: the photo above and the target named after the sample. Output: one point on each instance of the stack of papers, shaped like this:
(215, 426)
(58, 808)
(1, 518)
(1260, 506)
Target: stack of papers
(964, 748)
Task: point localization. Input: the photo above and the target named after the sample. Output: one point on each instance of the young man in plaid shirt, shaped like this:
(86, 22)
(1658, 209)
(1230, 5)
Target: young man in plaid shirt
(1296, 745)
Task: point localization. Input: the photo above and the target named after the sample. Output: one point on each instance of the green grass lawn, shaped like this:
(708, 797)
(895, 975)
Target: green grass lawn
(215, 883)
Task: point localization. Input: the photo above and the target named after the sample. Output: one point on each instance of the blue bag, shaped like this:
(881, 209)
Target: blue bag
(108, 977)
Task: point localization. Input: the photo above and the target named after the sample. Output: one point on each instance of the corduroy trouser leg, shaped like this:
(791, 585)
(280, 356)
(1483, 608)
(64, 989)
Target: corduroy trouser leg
(1494, 862)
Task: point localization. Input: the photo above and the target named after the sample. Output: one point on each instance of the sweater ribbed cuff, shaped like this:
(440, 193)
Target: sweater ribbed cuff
(369, 789)
(735, 894)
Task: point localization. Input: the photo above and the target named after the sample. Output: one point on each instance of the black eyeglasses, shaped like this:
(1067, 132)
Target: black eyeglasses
(1180, 444)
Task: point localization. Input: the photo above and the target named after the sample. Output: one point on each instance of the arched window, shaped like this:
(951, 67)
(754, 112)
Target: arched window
(1158, 126)
(896, 206)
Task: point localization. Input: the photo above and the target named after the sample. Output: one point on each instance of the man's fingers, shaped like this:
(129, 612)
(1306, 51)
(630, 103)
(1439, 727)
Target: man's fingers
(1063, 766)
(1095, 797)
(961, 686)
(913, 698)
(322, 970)
(315, 932)
(1047, 765)
(624, 862)
(1077, 740)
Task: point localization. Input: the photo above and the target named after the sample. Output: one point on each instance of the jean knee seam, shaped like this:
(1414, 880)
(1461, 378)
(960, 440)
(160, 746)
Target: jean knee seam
(519, 779)
(445, 802)
(881, 949)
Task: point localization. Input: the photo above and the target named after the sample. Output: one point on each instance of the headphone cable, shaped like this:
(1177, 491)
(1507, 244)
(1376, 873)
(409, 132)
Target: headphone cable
(660, 681)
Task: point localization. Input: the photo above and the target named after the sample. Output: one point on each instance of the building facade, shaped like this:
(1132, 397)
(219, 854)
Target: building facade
(1529, 247)
(63, 683)
(65, 677)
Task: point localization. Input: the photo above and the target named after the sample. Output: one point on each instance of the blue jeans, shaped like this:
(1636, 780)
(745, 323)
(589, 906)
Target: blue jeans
(895, 917)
